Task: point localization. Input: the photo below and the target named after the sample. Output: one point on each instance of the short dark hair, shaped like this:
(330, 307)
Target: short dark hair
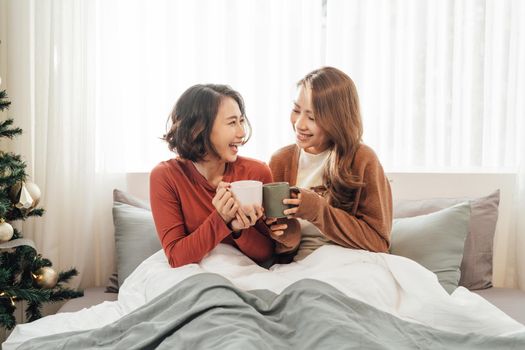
(192, 120)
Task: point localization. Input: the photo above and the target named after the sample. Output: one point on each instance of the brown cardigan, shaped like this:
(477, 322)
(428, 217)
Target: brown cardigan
(369, 228)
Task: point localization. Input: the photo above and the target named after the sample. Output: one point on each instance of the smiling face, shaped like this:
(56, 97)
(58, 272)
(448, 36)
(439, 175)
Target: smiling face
(308, 135)
(228, 130)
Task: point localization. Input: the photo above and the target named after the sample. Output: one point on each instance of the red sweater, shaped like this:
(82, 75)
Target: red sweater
(187, 223)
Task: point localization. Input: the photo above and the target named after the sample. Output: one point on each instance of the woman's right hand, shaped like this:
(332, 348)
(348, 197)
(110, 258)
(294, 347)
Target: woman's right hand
(225, 204)
(276, 230)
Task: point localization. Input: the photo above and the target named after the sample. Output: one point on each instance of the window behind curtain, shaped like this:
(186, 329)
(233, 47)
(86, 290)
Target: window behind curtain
(149, 52)
(439, 81)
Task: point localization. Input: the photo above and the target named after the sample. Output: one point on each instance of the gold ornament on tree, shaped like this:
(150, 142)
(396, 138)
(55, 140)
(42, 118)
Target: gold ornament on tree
(45, 277)
(25, 195)
(6, 231)
(7, 171)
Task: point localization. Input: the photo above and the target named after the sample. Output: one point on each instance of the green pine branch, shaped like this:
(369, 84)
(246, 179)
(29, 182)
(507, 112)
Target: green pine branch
(16, 175)
(64, 294)
(30, 294)
(12, 169)
(36, 212)
(14, 214)
(40, 262)
(65, 276)
(11, 160)
(4, 103)
(9, 260)
(5, 204)
(33, 311)
(7, 319)
(17, 234)
(26, 255)
(19, 214)
(6, 129)
(5, 275)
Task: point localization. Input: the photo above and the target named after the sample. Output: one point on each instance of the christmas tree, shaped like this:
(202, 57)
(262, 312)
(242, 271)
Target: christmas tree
(24, 274)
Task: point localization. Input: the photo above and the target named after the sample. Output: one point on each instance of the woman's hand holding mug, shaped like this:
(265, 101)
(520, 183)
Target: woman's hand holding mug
(248, 197)
(224, 203)
(295, 201)
(276, 230)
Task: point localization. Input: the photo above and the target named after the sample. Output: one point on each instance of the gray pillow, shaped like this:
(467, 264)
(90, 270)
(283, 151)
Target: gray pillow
(135, 234)
(435, 241)
(126, 198)
(476, 266)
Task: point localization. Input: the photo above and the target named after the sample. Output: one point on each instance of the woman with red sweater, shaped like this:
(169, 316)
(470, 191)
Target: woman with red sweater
(345, 197)
(192, 206)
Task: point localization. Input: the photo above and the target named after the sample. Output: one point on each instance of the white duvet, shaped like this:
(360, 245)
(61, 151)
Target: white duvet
(391, 283)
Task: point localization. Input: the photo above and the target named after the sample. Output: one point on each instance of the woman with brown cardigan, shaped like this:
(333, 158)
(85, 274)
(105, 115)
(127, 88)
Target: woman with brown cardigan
(345, 197)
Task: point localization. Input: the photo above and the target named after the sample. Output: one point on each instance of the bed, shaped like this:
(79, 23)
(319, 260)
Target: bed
(336, 297)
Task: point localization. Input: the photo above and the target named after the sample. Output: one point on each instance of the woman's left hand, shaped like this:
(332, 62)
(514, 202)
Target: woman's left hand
(295, 201)
(250, 213)
(246, 216)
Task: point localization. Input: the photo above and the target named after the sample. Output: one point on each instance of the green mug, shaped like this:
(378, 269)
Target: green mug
(273, 195)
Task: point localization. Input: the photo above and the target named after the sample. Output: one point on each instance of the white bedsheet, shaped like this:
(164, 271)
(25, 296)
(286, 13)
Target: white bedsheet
(391, 283)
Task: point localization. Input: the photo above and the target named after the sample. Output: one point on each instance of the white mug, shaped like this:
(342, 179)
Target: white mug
(247, 192)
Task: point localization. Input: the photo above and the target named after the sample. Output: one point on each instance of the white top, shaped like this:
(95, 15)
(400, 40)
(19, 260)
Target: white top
(310, 174)
(311, 168)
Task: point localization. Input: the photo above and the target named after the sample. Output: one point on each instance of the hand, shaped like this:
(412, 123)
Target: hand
(246, 216)
(251, 212)
(225, 204)
(276, 230)
(295, 201)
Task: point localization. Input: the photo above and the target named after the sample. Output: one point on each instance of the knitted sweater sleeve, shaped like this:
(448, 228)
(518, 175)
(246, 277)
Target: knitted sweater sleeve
(181, 247)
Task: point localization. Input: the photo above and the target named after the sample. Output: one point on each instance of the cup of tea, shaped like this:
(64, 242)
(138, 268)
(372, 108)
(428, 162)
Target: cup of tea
(247, 192)
(273, 195)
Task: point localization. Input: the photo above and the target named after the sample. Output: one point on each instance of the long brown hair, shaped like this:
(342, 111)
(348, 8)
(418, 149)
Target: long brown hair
(336, 108)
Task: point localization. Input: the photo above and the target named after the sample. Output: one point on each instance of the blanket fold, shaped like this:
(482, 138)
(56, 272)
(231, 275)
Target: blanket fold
(206, 311)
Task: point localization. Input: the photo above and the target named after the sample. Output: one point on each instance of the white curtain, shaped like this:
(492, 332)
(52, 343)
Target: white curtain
(51, 83)
(442, 87)
(436, 78)
(518, 103)
(149, 52)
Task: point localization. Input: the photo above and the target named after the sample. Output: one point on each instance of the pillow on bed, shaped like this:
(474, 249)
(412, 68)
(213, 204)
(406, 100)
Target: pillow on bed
(435, 241)
(135, 235)
(476, 266)
(126, 198)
